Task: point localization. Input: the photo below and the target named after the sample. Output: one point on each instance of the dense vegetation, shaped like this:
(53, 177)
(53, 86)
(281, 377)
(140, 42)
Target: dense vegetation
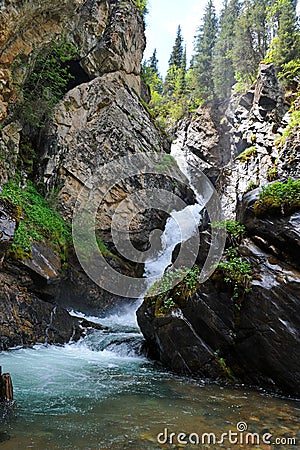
(278, 199)
(42, 81)
(165, 295)
(36, 220)
(227, 53)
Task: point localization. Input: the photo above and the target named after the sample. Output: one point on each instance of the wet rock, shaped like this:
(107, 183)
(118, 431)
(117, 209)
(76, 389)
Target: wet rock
(26, 320)
(268, 337)
(258, 342)
(280, 234)
(44, 262)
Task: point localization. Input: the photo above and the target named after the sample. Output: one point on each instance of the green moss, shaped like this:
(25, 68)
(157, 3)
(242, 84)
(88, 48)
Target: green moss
(247, 154)
(173, 290)
(278, 199)
(37, 221)
(224, 368)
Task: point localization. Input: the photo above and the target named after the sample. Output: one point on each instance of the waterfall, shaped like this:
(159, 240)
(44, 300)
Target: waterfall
(179, 226)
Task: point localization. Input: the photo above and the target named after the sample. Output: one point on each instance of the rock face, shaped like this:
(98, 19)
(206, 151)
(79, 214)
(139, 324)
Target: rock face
(101, 118)
(26, 320)
(278, 235)
(259, 343)
(97, 123)
(7, 228)
(109, 36)
(255, 120)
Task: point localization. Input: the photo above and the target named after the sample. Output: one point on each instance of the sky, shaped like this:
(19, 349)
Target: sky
(162, 22)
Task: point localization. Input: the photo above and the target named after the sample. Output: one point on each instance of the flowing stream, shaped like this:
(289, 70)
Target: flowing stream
(101, 393)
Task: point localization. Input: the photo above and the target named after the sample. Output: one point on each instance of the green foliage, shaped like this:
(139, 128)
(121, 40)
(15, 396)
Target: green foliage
(141, 5)
(291, 71)
(294, 123)
(177, 51)
(272, 174)
(39, 222)
(252, 185)
(223, 69)
(237, 272)
(247, 154)
(42, 81)
(278, 198)
(285, 46)
(167, 162)
(203, 59)
(173, 290)
(234, 229)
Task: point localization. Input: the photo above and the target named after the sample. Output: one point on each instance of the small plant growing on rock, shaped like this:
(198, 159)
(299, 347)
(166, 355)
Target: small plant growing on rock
(39, 222)
(173, 290)
(235, 230)
(247, 154)
(278, 198)
(252, 185)
(272, 174)
(237, 272)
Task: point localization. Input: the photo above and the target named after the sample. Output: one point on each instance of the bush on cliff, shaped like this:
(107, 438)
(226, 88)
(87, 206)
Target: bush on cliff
(165, 295)
(278, 198)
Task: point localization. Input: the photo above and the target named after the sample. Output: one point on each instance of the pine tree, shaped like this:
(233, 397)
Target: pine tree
(252, 38)
(175, 65)
(150, 74)
(223, 69)
(285, 47)
(203, 58)
(177, 51)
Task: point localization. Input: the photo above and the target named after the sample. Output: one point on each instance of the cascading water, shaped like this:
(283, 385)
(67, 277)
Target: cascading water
(101, 393)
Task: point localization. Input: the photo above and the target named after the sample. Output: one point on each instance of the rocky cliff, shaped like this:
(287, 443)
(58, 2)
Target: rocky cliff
(101, 117)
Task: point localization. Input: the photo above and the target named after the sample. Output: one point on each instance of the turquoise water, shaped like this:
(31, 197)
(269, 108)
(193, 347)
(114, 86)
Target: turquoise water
(99, 393)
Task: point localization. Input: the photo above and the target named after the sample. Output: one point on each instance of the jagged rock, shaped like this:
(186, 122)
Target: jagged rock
(109, 36)
(254, 119)
(199, 135)
(7, 227)
(97, 123)
(27, 320)
(281, 234)
(260, 343)
(44, 262)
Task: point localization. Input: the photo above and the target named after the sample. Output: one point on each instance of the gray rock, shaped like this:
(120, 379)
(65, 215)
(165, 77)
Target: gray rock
(7, 227)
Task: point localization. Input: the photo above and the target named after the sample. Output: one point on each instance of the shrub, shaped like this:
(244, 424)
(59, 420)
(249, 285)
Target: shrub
(247, 154)
(237, 272)
(165, 295)
(39, 222)
(278, 198)
(235, 229)
(272, 174)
